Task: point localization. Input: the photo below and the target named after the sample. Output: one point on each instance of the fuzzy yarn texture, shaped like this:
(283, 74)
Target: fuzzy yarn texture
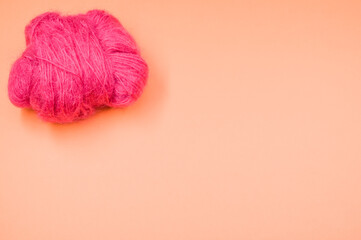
(74, 65)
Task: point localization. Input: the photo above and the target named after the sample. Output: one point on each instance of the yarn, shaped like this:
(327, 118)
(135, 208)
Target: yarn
(76, 64)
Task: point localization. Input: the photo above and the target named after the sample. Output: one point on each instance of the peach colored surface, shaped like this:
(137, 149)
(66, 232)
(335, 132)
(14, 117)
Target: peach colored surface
(249, 128)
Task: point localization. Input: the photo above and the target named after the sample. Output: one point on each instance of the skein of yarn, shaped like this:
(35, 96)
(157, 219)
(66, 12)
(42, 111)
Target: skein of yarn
(74, 65)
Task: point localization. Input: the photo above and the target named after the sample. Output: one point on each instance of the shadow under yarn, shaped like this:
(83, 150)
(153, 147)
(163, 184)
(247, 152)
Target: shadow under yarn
(142, 112)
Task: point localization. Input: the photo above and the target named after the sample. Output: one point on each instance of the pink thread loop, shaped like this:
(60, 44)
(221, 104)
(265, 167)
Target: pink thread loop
(75, 64)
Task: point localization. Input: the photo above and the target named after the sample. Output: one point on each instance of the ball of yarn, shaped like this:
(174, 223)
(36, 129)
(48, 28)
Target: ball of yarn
(74, 65)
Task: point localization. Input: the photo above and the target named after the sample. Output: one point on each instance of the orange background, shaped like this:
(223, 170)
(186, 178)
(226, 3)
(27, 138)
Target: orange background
(249, 128)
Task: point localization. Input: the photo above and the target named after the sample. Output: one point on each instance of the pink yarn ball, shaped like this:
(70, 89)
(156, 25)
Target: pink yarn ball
(73, 65)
